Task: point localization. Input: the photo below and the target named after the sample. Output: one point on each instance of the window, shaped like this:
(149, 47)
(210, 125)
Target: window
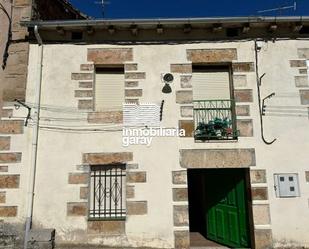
(286, 185)
(214, 107)
(107, 192)
(109, 89)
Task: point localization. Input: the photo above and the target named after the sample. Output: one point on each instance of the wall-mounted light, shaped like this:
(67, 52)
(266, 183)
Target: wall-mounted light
(167, 79)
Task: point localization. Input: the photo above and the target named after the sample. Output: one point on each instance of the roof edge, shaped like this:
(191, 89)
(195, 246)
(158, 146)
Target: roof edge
(150, 21)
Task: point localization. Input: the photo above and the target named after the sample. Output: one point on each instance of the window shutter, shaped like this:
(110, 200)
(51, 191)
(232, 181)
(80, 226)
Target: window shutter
(211, 85)
(109, 91)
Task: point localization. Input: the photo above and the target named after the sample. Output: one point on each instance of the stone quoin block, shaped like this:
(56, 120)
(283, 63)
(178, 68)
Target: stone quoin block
(131, 166)
(136, 207)
(82, 76)
(298, 63)
(107, 158)
(130, 67)
(188, 126)
(301, 81)
(4, 169)
(6, 113)
(85, 84)
(110, 55)
(11, 127)
(9, 181)
(179, 177)
(263, 238)
(110, 227)
(181, 68)
(83, 93)
(85, 104)
(258, 176)
(184, 97)
(239, 80)
(185, 81)
(186, 111)
(304, 97)
(8, 211)
(5, 143)
(243, 95)
(105, 117)
(261, 214)
(86, 67)
(245, 127)
(78, 178)
(217, 158)
(307, 176)
(243, 67)
(9, 95)
(10, 157)
(136, 177)
(242, 110)
(2, 197)
(130, 192)
(180, 194)
(302, 71)
(259, 193)
(181, 215)
(131, 84)
(182, 239)
(133, 92)
(212, 55)
(132, 101)
(83, 193)
(77, 209)
(303, 53)
(135, 76)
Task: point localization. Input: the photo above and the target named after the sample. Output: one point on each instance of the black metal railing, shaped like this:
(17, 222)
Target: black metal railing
(214, 120)
(107, 196)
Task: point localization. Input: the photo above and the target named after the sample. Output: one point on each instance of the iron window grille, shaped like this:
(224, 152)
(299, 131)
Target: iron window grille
(214, 120)
(107, 192)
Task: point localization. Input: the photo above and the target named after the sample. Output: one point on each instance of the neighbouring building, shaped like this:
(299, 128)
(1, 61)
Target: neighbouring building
(239, 177)
(14, 52)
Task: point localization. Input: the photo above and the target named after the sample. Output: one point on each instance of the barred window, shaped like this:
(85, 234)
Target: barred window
(107, 192)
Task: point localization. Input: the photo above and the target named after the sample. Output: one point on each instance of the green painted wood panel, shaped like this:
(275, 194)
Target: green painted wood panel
(226, 210)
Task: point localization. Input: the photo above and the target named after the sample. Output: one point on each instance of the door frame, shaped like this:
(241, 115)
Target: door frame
(249, 204)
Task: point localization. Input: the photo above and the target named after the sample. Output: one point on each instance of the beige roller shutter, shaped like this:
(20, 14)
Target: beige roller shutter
(211, 85)
(109, 91)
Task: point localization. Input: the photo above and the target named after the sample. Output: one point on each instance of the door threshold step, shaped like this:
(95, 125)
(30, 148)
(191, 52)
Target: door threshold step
(208, 247)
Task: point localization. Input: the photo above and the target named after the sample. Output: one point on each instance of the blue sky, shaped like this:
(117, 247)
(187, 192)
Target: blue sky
(187, 8)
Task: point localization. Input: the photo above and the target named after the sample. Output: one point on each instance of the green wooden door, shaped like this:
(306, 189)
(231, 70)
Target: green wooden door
(226, 211)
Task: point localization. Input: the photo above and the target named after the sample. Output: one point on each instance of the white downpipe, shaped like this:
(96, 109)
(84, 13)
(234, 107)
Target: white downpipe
(35, 135)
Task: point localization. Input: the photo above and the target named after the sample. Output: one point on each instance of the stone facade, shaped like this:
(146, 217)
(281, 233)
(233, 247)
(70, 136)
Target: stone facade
(75, 138)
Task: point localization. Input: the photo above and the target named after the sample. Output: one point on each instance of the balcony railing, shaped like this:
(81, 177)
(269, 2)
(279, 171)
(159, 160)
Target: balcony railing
(214, 120)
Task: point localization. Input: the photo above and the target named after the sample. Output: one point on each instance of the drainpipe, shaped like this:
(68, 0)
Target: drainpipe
(35, 136)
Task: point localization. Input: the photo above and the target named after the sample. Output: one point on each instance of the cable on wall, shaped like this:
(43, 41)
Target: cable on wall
(259, 81)
(9, 39)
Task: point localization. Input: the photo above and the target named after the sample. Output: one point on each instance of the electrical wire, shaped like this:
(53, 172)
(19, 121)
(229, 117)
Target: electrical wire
(9, 39)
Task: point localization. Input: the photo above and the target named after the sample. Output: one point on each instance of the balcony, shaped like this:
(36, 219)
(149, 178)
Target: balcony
(214, 120)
